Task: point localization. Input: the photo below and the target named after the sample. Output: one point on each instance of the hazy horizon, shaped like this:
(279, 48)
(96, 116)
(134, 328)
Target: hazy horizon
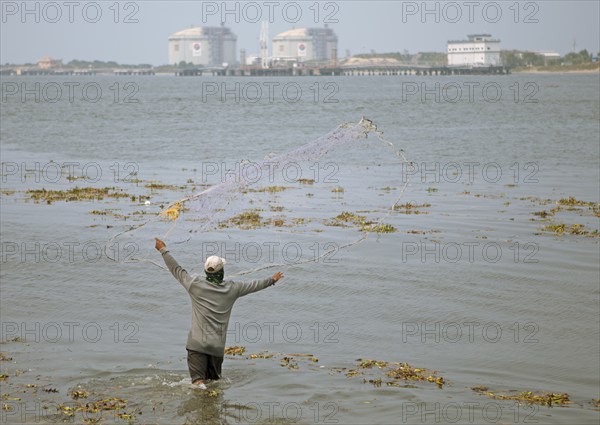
(134, 32)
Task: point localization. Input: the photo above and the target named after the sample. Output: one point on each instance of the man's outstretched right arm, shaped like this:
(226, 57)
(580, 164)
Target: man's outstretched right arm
(176, 270)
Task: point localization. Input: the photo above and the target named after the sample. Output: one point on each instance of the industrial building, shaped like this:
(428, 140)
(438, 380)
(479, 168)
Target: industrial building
(479, 50)
(48, 63)
(206, 46)
(305, 44)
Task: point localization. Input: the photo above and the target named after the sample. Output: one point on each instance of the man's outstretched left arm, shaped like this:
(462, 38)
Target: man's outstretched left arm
(257, 285)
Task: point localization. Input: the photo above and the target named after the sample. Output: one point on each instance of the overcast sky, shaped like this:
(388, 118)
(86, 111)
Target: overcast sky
(137, 31)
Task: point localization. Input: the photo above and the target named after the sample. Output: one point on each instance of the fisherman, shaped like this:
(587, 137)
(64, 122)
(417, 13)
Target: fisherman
(212, 301)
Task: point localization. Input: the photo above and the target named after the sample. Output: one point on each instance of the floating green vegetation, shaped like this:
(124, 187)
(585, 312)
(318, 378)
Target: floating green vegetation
(76, 194)
(368, 364)
(432, 189)
(245, 220)
(380, 228)
(162, 186)
(289, 362)
(7, 192)
(529, 397)
(394, 370)
(141, 198)
(408, 373)
(347, 217)
(306, 181)
(260, 356)
(4, 358)
(572, 202)
(75, 394)
(278, 208)
(96, 406)
(235, 350)
(409, 208)
(574, 229)
(376, 382)
(542, 214)
(269, 189)
(338, 189)
(387, 188)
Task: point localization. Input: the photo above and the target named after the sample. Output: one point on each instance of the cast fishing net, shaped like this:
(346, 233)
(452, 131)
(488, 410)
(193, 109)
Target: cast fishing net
(308, 204)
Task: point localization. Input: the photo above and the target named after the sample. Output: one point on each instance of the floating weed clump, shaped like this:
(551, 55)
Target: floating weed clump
(409, 208)
(529, 397)
(368, 364)
(543, 214)
(299, 221)
(76, 194)
(306, 181)
(380, 228)
(394, 370)
(289, 362)
(75, 394)
(245, 220)
(406, 372)
(162, 186)
(269, 189)
(347, 218)
(572, 202)
(235, 350)
(260, 356)
(574, 229)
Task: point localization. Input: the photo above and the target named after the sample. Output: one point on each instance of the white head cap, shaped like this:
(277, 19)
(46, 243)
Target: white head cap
(214, 264)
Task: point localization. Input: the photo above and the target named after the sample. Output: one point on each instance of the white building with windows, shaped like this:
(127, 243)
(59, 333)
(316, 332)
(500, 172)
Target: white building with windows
(207, 46)
(305, 44)
(478, 51)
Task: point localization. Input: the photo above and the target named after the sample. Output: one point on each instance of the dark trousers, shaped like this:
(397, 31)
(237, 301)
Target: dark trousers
(203, 366)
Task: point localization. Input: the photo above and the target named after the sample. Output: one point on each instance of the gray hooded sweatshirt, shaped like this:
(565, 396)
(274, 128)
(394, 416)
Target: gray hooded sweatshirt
(211, 306)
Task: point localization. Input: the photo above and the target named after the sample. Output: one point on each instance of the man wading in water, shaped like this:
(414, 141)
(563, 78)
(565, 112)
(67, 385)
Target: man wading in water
(212, 301)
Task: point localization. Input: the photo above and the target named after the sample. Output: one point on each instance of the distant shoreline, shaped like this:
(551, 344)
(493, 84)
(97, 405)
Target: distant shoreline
(576, 69)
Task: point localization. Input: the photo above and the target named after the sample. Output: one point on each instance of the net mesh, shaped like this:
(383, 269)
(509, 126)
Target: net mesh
(300, 206)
